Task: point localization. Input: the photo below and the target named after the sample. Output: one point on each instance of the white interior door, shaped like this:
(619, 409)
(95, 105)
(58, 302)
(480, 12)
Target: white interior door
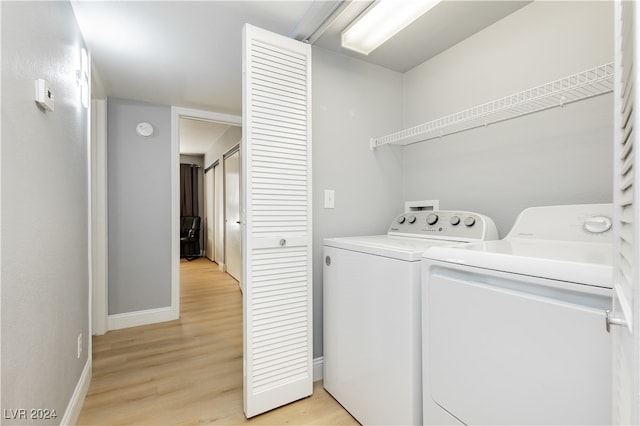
(233, 235)
(626, 279)
(209, 213)
(276, 195)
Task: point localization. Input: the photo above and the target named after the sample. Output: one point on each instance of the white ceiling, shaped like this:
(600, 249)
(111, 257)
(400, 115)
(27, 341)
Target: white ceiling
(188, 54)
(179, 53)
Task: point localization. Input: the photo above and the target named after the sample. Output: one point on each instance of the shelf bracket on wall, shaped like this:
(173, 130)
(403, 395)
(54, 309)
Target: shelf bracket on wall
(583, 85)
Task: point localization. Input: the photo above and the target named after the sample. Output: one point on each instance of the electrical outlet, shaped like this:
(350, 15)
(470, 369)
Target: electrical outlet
(79, 345)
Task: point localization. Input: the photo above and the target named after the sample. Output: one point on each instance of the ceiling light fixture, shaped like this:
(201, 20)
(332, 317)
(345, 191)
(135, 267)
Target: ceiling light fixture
(381, 21)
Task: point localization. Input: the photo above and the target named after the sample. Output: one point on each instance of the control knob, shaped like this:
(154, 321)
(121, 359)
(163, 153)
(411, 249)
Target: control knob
(401, 220)
(470, 221)
(432, 219)
(454, 220)
(412, 219)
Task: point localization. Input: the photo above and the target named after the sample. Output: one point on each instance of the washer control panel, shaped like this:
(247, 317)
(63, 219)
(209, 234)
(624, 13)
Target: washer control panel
(445, 224)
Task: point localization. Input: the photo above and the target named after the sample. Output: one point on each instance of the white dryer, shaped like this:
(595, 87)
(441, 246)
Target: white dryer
(371, 312)
(514, 330)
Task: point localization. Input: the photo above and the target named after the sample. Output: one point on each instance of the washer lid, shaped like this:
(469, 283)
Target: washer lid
(578, 262)
(402, 248)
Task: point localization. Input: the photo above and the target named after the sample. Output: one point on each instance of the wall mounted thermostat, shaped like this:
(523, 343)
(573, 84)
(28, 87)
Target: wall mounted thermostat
(144, 129)
(44, 97)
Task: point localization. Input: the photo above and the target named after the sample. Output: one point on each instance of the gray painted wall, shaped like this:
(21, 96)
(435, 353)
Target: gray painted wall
(561, 156)
(45, 277)
(352, 101)
(139, 187)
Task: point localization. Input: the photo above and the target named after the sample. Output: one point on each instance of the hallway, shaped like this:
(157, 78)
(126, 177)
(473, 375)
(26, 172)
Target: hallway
(188, 371)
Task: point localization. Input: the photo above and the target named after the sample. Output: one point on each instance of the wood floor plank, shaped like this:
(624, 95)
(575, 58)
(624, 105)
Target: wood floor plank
(188, 371)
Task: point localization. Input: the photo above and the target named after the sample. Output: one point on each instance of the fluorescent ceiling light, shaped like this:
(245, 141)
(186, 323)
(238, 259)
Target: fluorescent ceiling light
(381, 21)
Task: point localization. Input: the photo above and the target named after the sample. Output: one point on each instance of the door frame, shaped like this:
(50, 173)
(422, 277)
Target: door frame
(98, 217)
(210, 211)
(176, 114)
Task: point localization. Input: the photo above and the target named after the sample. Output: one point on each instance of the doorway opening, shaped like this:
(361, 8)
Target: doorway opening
(204, 136)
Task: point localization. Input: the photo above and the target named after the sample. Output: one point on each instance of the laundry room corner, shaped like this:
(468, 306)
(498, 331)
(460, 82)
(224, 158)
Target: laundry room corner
(558, 156)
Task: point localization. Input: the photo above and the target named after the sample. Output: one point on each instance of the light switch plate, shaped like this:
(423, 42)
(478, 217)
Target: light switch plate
(329, 198)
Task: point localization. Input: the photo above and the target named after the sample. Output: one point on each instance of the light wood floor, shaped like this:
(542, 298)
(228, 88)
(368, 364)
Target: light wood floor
(188, 371)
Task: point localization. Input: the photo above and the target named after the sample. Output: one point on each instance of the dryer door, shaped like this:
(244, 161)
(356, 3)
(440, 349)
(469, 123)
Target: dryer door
(510, 349)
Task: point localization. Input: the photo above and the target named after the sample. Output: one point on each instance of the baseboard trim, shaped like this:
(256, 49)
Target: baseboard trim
(74, 407)
(135, 319)
(318, 365)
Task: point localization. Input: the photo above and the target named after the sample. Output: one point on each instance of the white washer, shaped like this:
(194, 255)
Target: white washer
(514, 330)
(372, 312)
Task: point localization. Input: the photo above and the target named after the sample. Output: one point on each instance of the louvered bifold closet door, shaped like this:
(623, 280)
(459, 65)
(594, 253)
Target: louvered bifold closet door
(626, 355)
(276, 161)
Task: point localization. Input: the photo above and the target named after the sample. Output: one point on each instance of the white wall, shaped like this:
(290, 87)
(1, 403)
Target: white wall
(352, 101)
(139, 179)
(45, 201)
(228, 140)
(561, 156)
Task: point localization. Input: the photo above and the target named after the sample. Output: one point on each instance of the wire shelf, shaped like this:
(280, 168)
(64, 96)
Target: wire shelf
(583, 85)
